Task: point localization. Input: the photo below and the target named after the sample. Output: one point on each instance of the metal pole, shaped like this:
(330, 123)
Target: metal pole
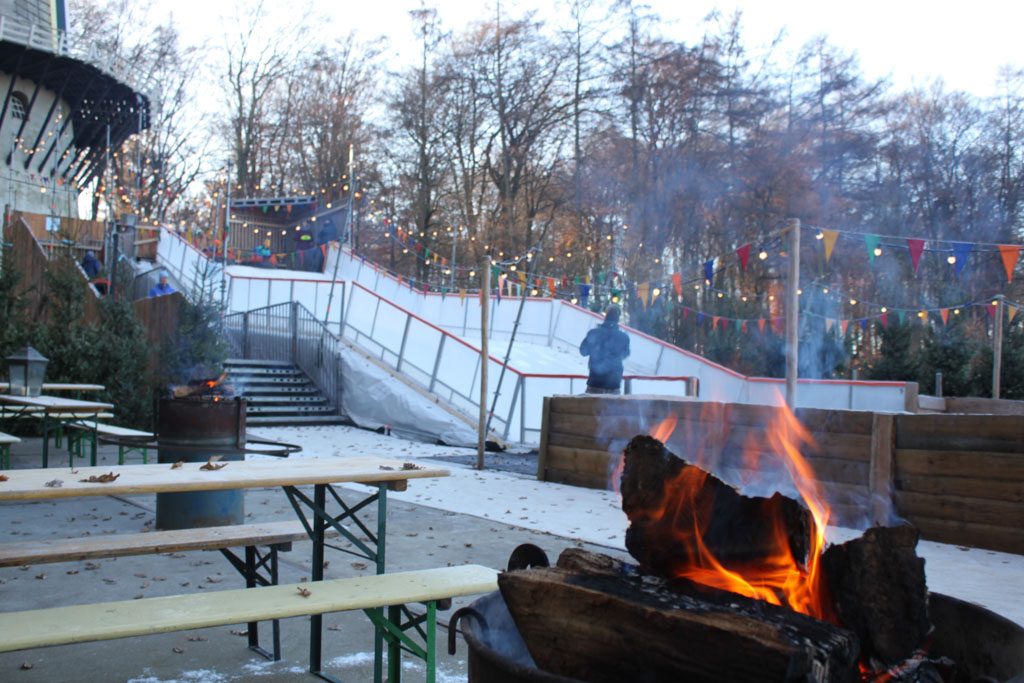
(485, 301)
(451, 279)
(224, 244)
(997, 346)
(938, 384)
(792, 310)
(348, 227)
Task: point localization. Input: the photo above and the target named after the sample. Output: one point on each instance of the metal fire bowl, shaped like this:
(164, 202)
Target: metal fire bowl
(982, 643)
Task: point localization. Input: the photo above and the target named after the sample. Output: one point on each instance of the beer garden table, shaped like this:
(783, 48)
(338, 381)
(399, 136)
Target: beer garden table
(53, 408)
(322, 473)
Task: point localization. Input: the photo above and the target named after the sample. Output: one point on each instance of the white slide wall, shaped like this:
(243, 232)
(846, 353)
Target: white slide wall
(434, 339)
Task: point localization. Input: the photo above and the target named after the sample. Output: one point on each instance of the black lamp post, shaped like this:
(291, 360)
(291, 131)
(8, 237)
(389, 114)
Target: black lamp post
(26, 369)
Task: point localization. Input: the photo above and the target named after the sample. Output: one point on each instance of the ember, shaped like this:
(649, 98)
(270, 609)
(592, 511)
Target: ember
(216, 389)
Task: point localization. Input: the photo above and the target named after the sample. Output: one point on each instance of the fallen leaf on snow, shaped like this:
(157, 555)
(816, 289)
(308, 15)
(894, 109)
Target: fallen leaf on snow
(4, 477)
(177, 465)
(411, 466)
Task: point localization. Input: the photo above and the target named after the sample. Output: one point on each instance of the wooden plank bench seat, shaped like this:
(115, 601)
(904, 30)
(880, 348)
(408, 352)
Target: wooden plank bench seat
(44, 551)
(127, 440)
(110, 620)
(273, 535)
(6, 441)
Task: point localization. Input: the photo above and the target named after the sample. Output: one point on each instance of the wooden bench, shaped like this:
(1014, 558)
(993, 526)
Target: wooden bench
(274, 535)
(123, 619)
(127, 440)
(6, 440)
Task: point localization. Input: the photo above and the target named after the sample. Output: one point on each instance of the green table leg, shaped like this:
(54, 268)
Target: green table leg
(46, 441)
(5, 456)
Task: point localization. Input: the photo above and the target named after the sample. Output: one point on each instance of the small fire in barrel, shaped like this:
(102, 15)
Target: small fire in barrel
(213, 389)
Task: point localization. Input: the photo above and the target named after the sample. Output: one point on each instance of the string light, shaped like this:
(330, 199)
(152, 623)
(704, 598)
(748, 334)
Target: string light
(878, 251)
(763, 255)
(819, 236)
(884, 309)
(951, 260)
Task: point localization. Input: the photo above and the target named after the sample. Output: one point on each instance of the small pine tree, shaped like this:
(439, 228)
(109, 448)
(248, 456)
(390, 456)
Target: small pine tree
(198, 348)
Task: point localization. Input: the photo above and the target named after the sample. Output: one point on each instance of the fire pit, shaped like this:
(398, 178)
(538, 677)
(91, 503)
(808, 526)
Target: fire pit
(986, 646)
(731, 587)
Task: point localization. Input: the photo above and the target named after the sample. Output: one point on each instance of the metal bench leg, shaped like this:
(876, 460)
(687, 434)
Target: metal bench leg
(5, 457)
(46, 441)
(92, 448)
(396, 634)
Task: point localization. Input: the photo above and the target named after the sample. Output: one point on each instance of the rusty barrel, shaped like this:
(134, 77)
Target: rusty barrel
(193, 430)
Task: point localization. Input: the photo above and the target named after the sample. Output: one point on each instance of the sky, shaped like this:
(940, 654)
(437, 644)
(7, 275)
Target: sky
(911, 41)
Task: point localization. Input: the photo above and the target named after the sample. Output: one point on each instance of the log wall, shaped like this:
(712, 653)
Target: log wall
(959, 478)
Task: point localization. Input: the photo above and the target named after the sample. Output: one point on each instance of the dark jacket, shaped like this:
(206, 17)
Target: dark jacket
(607, 347)
(90, 265)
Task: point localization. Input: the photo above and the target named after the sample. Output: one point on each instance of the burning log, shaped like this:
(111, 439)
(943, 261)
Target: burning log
(201, 388)
(674, 508)
(594, 618)
(878, 588)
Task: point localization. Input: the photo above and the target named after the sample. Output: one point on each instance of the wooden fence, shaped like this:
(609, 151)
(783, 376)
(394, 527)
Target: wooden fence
(159, 316)
(32, 261)
(939, 472)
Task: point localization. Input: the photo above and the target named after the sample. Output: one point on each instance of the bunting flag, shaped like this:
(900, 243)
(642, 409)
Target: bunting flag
(641, 292)
(829, 324)
(902, 315)
(1009, 254)
(714, 322)
(744, 254)
(961, 250)
(700, 318)
(829, 238)
(444, 292)
(760, 324)
(709, 271)
(843, 326)
(522, 278)
(584, 294)
(871, 242)
(916, 247)
(884, 318)
(863, 323)
(944, 314)
(551, 286)
(779, 325)
(677, 283)
(686, 313)
(1011, 310)
(743, 327)
(991, 308)
(462, 296)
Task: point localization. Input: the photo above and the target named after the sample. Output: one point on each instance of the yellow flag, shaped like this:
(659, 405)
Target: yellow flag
(462, 295)
(1011, 311)
(641, 291)
(830, 237)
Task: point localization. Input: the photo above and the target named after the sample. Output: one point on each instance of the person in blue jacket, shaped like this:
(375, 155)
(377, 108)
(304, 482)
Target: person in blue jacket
(607, 346)
(162, 288)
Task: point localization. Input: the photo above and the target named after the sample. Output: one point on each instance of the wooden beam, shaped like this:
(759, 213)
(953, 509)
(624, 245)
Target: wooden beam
(881, 467)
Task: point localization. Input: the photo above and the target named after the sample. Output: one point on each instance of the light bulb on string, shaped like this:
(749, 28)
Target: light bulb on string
(720, 295)
(615, 299)
(824, 290)
(763, 255)
(819, 236)
(771, 297)
(853, 302)
(956, 311)
(573, 301)
(534, 292)
(884, 309)
(878, 251)
(656, 292)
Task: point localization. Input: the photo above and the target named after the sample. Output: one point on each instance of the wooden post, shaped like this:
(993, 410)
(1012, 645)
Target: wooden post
(997, 345)
(542, 451)
(485, 301)
(881, 470)
(792, 310)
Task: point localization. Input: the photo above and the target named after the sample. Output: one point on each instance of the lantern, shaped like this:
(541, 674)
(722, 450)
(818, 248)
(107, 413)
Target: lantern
(26, 370)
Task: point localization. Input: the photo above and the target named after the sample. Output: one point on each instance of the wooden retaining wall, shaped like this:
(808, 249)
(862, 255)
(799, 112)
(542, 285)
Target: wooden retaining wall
(958, 487)
(960, 478)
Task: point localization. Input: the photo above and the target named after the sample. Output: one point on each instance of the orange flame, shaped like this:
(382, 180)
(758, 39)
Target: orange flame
(777, 577)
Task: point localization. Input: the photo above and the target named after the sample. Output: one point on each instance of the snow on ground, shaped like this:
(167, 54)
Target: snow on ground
(993, 580)
(276, 273)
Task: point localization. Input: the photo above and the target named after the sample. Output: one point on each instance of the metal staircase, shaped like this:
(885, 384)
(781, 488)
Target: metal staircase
(280, 394)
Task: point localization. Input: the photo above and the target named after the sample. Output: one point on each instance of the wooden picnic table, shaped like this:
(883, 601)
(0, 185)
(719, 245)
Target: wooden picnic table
(62, 386)
(328, 507)
(53, 408)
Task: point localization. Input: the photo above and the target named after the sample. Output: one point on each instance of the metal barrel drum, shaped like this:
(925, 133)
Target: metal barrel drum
(193, 430)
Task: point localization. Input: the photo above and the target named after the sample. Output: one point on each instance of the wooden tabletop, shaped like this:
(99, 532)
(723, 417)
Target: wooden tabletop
(62, 386)
(56, 404)
(161, 478)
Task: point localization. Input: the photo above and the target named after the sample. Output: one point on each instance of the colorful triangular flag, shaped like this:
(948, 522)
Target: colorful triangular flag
(677, 283)
(843, 326)
(709, 271)
(1009, 253)
(944, 314)
(744, 254)
(961, 250)
(916, 247)
(871, 242)
(829, 238)
(1011, 310)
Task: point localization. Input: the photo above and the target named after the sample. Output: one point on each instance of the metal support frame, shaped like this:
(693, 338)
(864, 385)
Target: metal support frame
(249, 567)
(60, 134)
(373, 549)
(46, 119)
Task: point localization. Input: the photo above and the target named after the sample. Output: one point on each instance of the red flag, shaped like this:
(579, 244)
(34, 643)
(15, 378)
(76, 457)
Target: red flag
(1009, 254)
(916, 247)
(744, 254)
(743, 327)
(885, 319)
(551, 286)
(843, 325)
(944, 314)
(677, 283)
(686, 313)
(760, 324)
(714, 322)
(991, 310)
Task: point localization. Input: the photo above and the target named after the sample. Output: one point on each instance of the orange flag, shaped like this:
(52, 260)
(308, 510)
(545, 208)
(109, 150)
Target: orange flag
(1010, 254)
(677, 283)
(944, 314)
(641, 291)
(830, 237)
(551, 286)
(843, 325)
(760, 324)
(1011, 311)
(714, 322)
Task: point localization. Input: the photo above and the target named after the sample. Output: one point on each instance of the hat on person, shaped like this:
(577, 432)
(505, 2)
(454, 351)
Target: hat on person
(164, 275)
(612, 313)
